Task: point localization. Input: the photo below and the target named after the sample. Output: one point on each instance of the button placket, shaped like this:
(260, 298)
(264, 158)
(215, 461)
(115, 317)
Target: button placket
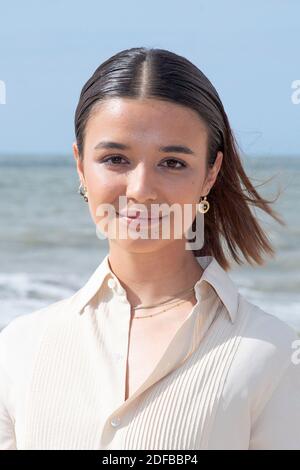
(118, 356)
(115, 422)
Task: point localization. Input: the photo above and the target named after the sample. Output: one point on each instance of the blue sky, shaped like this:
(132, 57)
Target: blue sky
(249, 51)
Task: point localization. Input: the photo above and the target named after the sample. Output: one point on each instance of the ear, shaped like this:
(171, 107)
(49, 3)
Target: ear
(213, 173)
(79, 163)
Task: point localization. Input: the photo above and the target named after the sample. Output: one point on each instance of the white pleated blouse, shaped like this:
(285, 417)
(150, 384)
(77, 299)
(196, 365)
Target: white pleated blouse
(228, 379)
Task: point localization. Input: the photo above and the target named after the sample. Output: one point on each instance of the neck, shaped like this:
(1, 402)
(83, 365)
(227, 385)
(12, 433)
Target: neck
(152, 277)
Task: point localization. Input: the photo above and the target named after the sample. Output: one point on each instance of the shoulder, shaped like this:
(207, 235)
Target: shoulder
(260, 392)
(20, 338)
(265, 353)
(25, 322)
(264, 333)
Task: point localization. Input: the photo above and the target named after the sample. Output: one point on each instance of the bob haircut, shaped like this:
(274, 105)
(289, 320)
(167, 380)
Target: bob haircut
(139, 73)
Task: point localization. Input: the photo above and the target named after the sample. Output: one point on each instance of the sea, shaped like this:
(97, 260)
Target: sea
(49, 247)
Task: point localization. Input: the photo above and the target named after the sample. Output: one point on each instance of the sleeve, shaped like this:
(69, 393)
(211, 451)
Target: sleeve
(277, 427)
(7, 432)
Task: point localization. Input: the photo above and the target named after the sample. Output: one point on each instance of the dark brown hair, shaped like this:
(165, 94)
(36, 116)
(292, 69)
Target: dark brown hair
(157, 73)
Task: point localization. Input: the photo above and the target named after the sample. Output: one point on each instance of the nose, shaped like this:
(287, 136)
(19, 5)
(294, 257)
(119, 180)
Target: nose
(141, 184)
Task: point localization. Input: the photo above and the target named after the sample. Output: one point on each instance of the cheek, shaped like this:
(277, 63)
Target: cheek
(102, 186)
(102, 189)
(187, 191)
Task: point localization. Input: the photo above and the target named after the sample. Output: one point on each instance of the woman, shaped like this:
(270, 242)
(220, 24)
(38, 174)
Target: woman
(158, 350)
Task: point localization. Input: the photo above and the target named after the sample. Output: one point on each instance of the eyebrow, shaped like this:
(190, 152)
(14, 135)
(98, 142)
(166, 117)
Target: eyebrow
(167, 148)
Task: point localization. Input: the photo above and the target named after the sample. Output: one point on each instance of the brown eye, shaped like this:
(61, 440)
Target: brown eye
(115, 158)
(174, 162)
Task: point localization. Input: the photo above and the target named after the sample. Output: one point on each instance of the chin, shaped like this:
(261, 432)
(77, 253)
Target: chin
(140, 245)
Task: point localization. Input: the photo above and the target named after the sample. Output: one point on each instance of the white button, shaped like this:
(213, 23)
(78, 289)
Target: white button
(111, 283)
(118, 356)
(115, 421)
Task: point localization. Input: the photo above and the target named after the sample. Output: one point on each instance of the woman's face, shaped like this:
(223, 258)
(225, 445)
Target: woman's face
(141, 169)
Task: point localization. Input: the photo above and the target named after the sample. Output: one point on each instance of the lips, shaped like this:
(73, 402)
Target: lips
(138, 216)
(130, 213)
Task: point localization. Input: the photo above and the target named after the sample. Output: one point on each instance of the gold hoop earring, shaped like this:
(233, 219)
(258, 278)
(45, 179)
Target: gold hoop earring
(203, 205)
(83, 192)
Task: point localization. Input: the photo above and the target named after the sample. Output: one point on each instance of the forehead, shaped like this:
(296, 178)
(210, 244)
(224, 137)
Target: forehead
(148, 119)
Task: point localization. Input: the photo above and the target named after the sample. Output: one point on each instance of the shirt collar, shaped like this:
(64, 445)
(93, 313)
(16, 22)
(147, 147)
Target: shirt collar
(213, 274)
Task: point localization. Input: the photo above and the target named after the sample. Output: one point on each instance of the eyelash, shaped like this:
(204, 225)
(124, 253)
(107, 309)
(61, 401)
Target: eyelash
(169, 159)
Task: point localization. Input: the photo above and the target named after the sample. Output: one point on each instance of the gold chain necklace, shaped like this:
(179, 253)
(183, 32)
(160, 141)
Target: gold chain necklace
(165, 301)
(177, 302)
